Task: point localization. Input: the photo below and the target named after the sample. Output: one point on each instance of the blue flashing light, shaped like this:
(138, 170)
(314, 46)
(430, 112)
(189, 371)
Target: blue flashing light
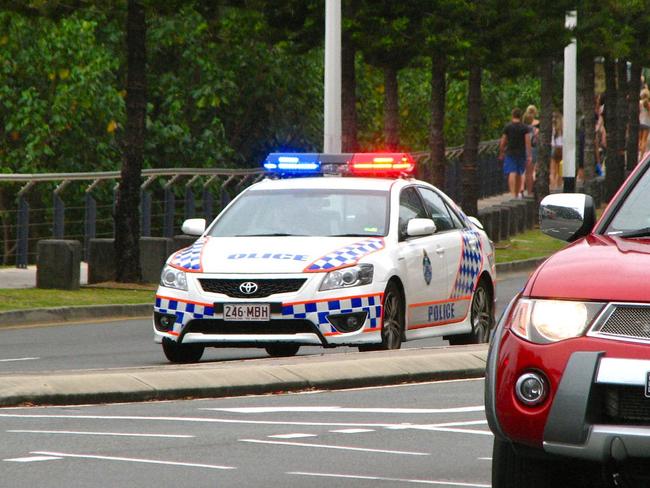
(293, 163)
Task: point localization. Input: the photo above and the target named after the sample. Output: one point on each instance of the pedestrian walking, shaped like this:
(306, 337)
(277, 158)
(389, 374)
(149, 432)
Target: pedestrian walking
(530, 119)
(555, 173)
(515, 151)
(644, 121)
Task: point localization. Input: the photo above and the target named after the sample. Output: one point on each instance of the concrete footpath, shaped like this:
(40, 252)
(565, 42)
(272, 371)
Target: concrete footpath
(250, 377)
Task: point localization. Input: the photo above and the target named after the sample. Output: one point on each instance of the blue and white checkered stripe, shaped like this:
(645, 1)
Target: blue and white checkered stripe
(317, 312)
(190, 257)
(471, 263)
(347, 255)
(184, 311)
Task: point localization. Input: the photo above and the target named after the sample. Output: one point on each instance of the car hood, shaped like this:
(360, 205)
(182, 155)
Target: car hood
(596, 268)
(273, 254)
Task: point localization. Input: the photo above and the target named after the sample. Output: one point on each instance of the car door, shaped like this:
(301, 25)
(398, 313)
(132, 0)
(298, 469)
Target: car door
(425, 272)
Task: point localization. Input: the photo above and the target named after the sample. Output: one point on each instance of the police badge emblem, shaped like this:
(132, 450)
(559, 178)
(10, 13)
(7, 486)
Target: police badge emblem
(426, 267)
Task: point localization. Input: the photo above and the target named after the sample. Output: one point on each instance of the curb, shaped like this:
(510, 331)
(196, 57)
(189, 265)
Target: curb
(521, 265)
(255, 377)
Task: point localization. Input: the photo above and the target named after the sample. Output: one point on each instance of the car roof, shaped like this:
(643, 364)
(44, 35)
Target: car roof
(334, 183)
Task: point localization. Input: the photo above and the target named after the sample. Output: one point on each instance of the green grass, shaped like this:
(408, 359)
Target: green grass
(528, 245)
(25, 298)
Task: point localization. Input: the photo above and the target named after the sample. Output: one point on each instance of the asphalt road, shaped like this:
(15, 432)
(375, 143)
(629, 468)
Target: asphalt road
(129, 343)
(424, 434)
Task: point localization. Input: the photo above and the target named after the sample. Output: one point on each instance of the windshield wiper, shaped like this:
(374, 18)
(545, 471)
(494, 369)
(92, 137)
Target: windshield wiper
(355, 235)
(643, 232)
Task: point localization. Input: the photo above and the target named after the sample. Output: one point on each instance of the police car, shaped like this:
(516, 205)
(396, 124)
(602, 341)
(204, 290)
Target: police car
(328, 250)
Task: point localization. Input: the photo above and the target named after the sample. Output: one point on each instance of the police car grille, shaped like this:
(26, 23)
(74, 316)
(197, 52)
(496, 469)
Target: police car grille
(628, 321)
(626, 405)
(218, 326)
(265, 287)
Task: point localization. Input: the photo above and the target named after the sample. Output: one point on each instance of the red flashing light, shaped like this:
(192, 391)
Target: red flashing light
(380, 164)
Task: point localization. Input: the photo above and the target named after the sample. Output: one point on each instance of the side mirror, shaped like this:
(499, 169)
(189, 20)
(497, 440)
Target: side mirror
(567, 216)
(476, 222)
(193, 227)
(420, 227)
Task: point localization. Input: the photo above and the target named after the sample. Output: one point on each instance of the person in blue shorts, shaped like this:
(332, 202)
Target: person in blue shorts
(515, 151)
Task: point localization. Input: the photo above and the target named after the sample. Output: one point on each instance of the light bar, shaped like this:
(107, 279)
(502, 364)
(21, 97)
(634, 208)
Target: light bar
(360, 164)
(293, 163)
(379, 164)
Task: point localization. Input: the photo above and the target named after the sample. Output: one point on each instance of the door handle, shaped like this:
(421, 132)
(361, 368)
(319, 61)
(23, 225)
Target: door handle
(440, 251)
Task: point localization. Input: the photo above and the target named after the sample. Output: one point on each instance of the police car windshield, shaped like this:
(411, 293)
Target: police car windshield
(305, 212)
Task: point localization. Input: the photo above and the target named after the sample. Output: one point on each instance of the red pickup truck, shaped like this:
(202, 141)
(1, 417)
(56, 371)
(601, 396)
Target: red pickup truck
(568, 375)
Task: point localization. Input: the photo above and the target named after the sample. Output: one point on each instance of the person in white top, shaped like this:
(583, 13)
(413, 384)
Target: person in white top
(644, 121)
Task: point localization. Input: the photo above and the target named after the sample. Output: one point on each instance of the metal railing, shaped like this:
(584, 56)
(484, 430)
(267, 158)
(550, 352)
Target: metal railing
(176, 195)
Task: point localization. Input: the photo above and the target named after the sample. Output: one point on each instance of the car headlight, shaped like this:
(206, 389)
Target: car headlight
(361, 274)
(173, 278)
(546, 321)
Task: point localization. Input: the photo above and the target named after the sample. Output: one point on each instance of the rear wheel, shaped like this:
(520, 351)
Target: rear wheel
(282, 350)
(392, 329)
(481, 318)
(511, 469)
(182, 353)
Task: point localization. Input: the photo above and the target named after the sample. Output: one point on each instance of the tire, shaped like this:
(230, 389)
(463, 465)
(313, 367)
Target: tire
(392, 329)
(482, 319)
(282, 350)
(182, 353)
(512, 469)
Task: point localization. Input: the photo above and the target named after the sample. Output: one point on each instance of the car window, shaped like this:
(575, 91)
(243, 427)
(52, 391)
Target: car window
(438, 210)
(410, 207)
(305, 212)
(634, 213)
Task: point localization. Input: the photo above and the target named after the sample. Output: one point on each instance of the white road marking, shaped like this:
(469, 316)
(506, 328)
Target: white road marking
(485, 459)
(402, 425)
(119, 434)
(130, 460)
(461, 431)
(291, 436)
(393, 480)
(32, 459)
(352, 431)
(334, 409)
(327, 446)
(10, 360)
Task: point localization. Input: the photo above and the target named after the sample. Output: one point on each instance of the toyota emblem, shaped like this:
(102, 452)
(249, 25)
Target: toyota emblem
(248, 287)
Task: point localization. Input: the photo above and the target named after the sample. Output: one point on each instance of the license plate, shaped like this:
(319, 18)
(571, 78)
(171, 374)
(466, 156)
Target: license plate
(247, 311)
(647, 384)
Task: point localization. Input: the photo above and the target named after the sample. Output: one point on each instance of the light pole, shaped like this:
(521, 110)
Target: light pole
(569, 108)
(332, 98)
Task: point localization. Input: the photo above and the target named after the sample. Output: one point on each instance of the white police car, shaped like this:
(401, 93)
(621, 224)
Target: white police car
(367, 257)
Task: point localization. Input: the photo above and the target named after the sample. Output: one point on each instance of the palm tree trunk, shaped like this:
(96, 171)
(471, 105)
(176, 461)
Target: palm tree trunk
(470, 189)
(587, 71)
(349, 141)
(614, 172)
(127, 221)
(545, 130)
(391, 109)
(634, 87)
(437, 134)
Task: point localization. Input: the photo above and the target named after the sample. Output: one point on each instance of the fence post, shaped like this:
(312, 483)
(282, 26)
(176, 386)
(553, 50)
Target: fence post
(22, 236)
(208, 200)
(90, 222)
(58, 229)
(190, 204)
(170, 208)
(224, 196)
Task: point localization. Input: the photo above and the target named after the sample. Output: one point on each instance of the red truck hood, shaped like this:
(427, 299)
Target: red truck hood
(596, 268)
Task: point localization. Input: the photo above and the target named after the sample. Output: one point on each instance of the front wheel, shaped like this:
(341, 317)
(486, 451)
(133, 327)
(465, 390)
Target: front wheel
(481, 318)
(392, 329)
(182, 353)
(282, 350)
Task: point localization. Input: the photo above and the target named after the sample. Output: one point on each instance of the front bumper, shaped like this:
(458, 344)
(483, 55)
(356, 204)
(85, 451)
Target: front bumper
(585, 423)
(304, 317)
